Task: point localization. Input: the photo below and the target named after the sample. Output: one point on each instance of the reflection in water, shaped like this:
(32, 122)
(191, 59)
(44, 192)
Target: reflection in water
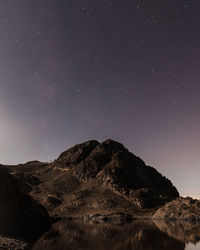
(181, 230)
(192, 247)
(137, 235)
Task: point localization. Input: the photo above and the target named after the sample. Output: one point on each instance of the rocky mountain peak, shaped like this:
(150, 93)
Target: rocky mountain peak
(81, 151)
(76, 154)
(119, 170)
(110, 146)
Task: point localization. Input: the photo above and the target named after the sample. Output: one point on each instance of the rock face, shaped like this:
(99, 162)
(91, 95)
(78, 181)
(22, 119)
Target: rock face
(95, 177)
(181, 208)
(20, 215)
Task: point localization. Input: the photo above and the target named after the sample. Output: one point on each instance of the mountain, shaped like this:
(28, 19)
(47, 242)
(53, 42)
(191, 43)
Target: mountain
(94, 177)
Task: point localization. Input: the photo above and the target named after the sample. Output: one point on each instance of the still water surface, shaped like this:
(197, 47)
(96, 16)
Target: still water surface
(137, 235)
(192, 246)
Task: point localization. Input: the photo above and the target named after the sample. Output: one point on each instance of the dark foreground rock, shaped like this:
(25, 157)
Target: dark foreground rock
(180, 208)
(20, 215)
(95, 177)
(13, 244)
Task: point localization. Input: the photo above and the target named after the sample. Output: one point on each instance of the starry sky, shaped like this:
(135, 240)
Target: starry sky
(74, 70)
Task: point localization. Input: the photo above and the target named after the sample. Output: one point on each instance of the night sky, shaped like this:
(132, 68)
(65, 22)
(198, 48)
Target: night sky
(129, 70)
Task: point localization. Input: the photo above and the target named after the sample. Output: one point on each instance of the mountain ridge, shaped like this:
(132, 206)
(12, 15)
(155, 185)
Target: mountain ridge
(94, 177)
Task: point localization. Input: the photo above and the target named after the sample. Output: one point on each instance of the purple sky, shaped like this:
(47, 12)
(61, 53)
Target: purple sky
(73, 70)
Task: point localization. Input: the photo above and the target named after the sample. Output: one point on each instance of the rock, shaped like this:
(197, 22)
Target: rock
(181, 208)
(20, 215)
(108, 217)
(13, 244)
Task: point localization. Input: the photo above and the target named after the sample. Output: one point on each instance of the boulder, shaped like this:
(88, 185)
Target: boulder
(180, 208)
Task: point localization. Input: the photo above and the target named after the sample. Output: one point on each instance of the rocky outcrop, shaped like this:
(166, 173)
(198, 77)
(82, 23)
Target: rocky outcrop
(181, 208)
(95, 177)
(20, 215)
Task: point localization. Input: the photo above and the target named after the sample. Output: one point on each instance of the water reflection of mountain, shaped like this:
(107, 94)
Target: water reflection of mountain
(182, 231)
(134, 236)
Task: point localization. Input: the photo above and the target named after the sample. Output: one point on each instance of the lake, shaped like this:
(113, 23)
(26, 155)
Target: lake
(192, 246)
(118, 235)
